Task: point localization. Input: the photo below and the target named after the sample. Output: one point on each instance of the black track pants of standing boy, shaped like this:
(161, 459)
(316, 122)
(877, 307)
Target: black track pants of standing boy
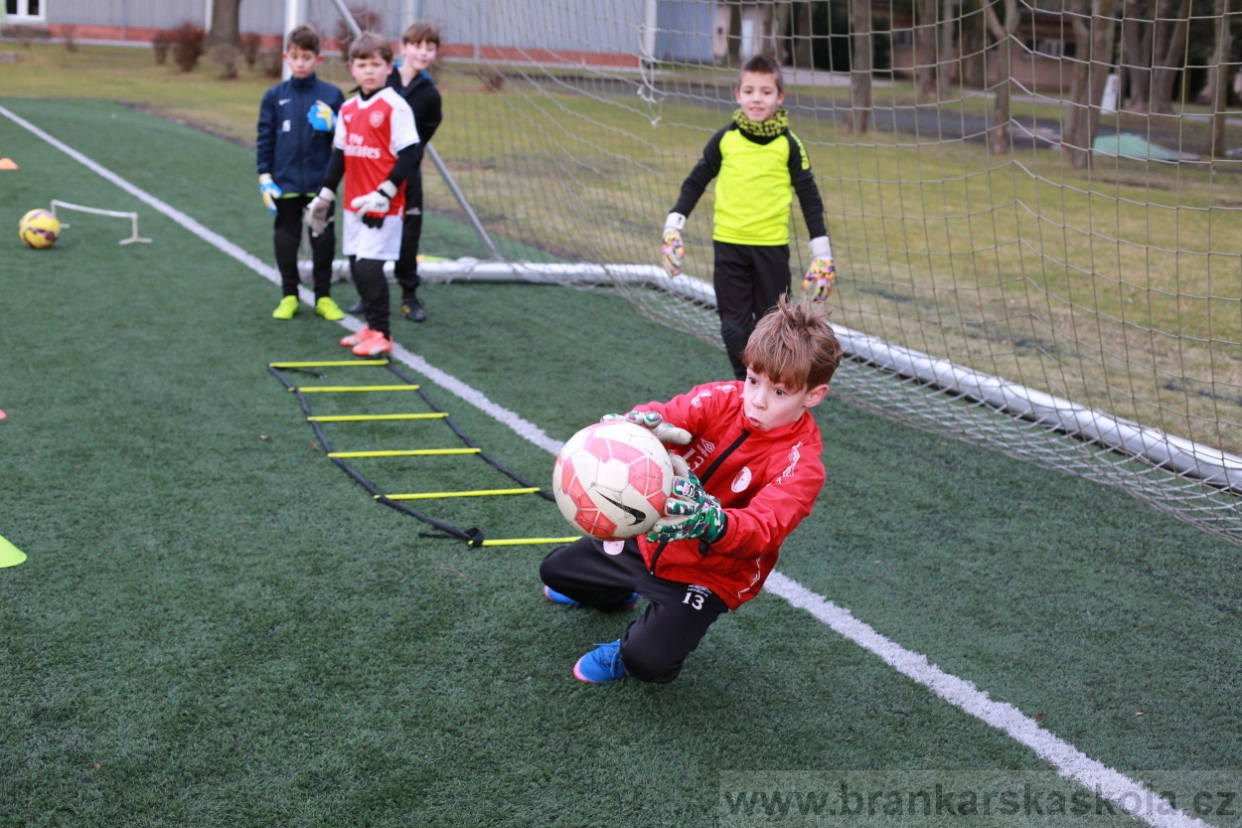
(671, 625)
(406, 268)
(749, 281)
(288, 237)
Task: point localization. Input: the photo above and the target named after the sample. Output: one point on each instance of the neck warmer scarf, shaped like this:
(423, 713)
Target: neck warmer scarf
(778, 123)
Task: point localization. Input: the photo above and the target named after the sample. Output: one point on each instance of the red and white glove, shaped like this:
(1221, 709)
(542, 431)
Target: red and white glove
(672, 251)
(821, 276)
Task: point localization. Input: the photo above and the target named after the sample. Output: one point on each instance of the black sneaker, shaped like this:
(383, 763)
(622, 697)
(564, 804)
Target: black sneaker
(412, 309)
(356, 307)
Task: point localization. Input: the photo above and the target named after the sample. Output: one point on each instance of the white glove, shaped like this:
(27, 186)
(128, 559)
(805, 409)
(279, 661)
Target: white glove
(821, 276)
(316, 215)
(376, 202)
(672, 251)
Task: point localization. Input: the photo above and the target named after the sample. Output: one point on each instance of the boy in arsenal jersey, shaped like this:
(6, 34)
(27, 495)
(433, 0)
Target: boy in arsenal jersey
(375, 148)
(747, 456)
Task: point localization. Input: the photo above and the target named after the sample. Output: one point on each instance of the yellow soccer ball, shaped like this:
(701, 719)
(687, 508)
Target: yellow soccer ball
(39, 229)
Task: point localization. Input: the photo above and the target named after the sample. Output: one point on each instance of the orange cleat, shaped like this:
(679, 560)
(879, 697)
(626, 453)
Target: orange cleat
(353, 339)
(376, 344)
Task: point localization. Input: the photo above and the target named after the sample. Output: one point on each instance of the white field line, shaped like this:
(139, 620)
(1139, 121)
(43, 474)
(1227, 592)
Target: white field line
(1068, 760)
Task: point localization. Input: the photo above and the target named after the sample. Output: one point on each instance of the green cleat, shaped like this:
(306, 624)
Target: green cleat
(286, 309)
(329, 309)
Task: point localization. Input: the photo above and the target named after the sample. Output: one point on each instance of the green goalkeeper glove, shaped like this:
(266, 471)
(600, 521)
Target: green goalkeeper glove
(269, 192)
(666, 432)
(821, 276)
(316, 215)
(672, 251)
(321, 117)
(690, 513)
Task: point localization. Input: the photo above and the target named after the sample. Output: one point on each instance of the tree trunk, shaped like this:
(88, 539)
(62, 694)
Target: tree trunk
(860, 66)
(803, 56)
(780, 28)
(945, 50)
(733, 55)
(225, 25)
(1136, 54)
(925, 48)
(998, 134)
(1172, 24)
(1221, 78)
(974, 39)
(1094, 36)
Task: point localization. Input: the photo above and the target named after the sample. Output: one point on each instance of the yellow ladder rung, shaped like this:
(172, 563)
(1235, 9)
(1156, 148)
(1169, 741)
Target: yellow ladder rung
(404, 452)
(329, 364)
(473, 493)
(354, 418)
(320, 389)
(522, 541)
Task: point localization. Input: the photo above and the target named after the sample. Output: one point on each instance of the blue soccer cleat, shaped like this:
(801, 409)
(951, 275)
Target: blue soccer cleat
(560, 598)
(601, 664)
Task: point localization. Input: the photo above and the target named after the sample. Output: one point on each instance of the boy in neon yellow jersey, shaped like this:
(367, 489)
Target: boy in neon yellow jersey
(755, 160)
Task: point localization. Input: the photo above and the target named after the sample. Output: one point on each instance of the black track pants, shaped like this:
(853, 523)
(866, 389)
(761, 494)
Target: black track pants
(287, 236)
(406, 268)
(373, 289)
(749, 280)
(675, 619)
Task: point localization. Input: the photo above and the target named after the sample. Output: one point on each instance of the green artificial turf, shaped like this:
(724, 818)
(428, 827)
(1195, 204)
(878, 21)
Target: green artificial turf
(217, 627)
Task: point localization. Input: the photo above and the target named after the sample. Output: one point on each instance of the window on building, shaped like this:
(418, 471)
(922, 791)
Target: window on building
(20, 11)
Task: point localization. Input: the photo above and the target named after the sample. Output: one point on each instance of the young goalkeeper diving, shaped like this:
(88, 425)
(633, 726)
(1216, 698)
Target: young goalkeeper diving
(747, 456)
(755, 160)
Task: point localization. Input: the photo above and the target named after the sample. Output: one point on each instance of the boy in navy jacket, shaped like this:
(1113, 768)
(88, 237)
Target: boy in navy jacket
(296, 125)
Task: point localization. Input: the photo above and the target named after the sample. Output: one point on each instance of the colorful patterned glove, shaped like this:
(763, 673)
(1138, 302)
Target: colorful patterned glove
(374, 206)
(316, 215)
(666, 432)
(690, 513)
(321, 117)
(269, 192)
(672, 251)
(821, 276)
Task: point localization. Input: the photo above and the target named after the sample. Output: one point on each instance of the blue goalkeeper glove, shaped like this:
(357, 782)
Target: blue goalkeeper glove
(821, 276)
(666, 432)
(269, 192)
(321, 117)
(690, 512)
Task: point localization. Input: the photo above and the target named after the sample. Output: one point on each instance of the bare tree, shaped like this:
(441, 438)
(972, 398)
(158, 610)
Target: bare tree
(225, 23)
(998, 137)
(945, 50)
(780, 27)
(733, 56)
(860, 66)
(1094, 35)
(1136, 31)
(925, 48)
(803, 56)
(1169, 50)
(1221, 74)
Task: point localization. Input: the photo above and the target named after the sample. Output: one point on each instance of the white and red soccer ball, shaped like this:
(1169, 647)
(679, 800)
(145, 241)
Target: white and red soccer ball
(611, 480)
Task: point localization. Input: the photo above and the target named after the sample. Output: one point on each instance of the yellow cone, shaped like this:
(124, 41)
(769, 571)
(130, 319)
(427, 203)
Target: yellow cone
(7, 164)
(10, 555)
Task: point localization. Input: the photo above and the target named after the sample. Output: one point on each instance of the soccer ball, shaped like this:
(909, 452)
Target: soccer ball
(611, 480)
(39, 229)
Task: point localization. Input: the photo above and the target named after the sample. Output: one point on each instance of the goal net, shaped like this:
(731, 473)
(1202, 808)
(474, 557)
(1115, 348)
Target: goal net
(1033, 206)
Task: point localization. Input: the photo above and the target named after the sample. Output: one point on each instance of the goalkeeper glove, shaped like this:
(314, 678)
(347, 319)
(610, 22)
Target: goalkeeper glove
(321, 117)
(666, 432)
(672, 251)
(821, 276)
(269, 192)
(316, 215)
(376, 203)
(690, 513)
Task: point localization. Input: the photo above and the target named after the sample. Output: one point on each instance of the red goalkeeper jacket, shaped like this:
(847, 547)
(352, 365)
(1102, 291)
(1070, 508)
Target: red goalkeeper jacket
(767, 482)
